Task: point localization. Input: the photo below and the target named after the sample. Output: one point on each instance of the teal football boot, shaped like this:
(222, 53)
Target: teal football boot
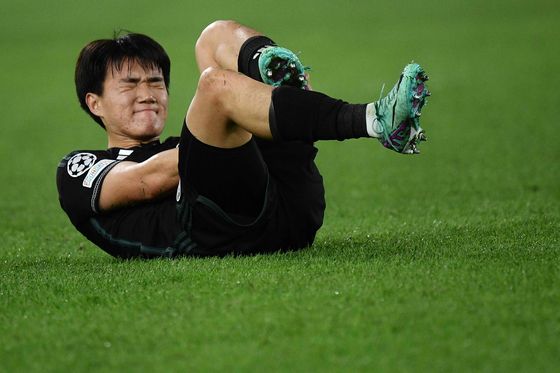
(397, 121)
(280, 66)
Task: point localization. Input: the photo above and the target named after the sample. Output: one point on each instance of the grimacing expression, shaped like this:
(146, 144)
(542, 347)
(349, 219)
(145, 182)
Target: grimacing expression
(134, 102)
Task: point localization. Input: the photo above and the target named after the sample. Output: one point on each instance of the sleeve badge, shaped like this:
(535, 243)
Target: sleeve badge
(80, 164)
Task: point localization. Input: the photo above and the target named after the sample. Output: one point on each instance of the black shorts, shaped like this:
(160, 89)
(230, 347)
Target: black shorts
(262, 197)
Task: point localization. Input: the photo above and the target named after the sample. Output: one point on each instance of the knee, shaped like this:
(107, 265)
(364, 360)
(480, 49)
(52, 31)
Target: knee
(221, 26)
(212, 85)
(213, 32)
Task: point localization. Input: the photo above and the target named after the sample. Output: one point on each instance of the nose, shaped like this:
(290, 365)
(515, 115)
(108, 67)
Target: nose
(145, 94)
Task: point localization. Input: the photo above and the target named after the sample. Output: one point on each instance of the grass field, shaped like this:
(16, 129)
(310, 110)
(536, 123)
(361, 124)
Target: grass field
(443, 262)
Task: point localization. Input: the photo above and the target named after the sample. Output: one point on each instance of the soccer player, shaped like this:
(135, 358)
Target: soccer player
(241, 178)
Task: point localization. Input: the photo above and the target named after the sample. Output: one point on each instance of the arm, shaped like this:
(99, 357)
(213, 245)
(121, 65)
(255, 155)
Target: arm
(129, 183)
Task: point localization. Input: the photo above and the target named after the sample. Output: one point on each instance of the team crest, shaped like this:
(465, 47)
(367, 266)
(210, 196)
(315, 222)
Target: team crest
(80, 164)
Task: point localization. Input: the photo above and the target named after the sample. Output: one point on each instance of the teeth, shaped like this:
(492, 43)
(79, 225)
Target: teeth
(292, 65)
(269, 73)
(423, 137)
(417, 97)
(301, 78)
(416, 151)
(428, 93)
(417, 114)
(424, 77)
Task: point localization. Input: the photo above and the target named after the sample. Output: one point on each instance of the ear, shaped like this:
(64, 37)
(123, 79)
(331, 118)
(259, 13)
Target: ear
(93, 102)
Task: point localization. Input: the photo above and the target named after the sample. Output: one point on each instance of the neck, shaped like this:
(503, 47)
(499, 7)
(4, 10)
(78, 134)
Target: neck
(127, 142)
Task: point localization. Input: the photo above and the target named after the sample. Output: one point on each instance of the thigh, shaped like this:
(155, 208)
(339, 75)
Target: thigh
(292, 162)
(299, 186)
(287, 191)
(234, 179)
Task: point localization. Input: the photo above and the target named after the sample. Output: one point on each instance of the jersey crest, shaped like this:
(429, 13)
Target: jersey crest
(80, 164)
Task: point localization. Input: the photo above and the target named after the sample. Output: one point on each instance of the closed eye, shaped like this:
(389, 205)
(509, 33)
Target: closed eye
(130, 80)
(156, 81)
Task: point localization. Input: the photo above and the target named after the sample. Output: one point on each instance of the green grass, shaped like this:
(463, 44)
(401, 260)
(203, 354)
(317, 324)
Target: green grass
(443, 262)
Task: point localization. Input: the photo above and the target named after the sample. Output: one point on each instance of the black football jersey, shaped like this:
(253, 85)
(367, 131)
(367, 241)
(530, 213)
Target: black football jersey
(149, 229)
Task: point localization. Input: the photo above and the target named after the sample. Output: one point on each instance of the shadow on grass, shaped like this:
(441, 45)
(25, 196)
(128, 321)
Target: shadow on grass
(527, 239)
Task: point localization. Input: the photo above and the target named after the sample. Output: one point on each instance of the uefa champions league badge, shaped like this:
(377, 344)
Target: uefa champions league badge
(80, 164)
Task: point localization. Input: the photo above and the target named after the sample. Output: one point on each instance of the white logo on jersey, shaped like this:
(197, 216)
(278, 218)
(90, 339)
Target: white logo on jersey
(80, 163)
(95, 171)
(123, 153)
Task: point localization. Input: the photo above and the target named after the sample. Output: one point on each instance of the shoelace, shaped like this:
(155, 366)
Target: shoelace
(381, 106)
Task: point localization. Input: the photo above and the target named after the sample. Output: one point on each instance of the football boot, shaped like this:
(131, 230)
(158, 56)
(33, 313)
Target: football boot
(398, 114)
(280, 66)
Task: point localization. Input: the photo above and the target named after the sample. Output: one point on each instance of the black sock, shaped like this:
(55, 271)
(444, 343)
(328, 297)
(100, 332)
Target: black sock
(296, 114)
(248, 60)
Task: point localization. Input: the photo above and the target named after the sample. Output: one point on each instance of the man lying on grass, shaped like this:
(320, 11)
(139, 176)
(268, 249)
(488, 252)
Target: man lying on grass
(241, 178)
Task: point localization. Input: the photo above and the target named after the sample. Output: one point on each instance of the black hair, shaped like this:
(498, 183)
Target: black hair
(99, 56)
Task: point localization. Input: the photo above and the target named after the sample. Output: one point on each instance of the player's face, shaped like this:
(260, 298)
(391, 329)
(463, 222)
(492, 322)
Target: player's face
(134, 103)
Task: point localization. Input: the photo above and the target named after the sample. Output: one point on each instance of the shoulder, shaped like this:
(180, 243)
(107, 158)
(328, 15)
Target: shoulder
(79, 162)
(85, 166)
(78, 178)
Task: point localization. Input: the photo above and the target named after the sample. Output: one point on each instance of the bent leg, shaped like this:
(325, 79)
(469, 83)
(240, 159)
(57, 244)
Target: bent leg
(234, 179)
(219, 44)
(232, 46)
(228, 108)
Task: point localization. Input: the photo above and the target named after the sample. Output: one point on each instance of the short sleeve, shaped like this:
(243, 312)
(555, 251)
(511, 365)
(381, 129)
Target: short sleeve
(79, 178)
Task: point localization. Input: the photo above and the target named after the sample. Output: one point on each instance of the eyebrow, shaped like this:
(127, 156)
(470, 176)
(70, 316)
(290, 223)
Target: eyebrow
(151, 79)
